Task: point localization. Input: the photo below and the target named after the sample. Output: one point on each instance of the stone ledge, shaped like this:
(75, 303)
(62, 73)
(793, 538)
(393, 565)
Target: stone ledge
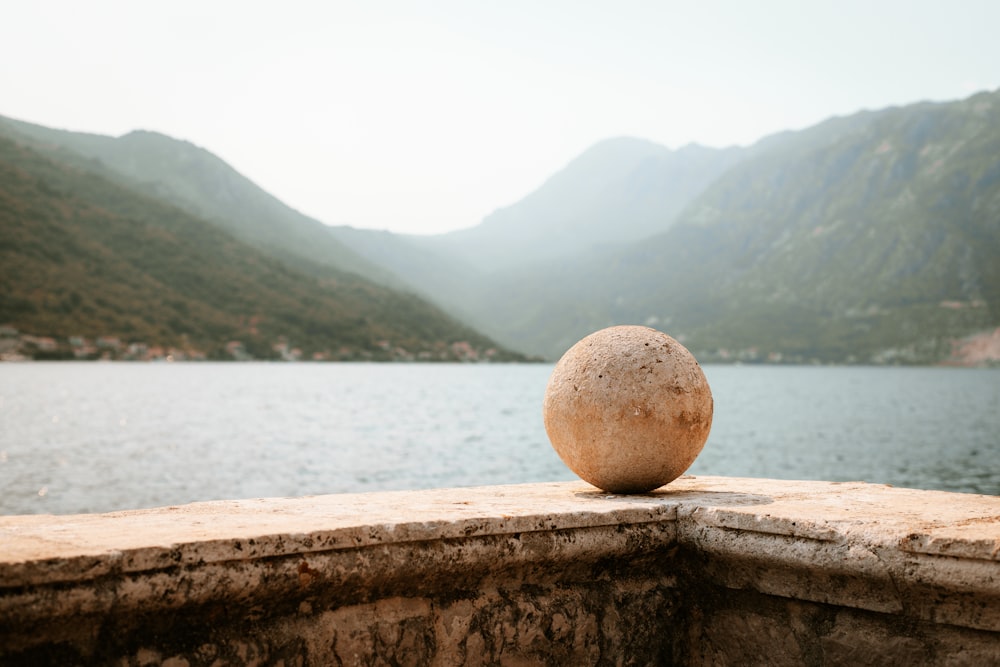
(931, 557)
(934, 523)
(43, 549)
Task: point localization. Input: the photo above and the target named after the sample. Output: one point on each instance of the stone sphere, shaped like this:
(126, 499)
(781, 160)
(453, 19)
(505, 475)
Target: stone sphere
(628, 409)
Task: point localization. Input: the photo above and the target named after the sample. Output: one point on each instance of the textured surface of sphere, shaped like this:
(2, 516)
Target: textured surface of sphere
(628, 409)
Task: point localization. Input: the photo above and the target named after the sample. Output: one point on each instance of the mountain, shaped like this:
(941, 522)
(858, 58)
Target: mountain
(877, 243)
(869, 238)
(445, 277)
(620, 190)
(206, 187)
(84, 257)
(882, 245)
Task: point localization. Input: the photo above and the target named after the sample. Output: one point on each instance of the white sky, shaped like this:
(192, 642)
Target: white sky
(427, 116)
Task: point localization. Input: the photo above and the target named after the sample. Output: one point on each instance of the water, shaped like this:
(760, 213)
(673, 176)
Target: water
(92, 437)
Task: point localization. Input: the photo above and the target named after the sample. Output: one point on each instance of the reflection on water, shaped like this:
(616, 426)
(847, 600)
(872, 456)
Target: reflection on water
(932, 428)
(98, 437)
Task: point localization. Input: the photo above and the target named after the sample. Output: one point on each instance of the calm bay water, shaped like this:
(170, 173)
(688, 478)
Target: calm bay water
(92, 437)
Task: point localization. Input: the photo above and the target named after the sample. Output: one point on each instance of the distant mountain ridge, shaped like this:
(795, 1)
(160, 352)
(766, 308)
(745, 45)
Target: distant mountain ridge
(618, 191)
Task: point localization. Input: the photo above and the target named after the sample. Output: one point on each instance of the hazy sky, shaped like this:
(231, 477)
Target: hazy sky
(427, 116)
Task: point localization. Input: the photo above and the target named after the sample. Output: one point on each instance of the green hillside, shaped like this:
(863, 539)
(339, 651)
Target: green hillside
(205, 186)
(876, 244)
(83, 256)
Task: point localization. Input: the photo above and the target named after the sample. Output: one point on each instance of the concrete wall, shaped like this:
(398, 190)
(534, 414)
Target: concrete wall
(706, 571)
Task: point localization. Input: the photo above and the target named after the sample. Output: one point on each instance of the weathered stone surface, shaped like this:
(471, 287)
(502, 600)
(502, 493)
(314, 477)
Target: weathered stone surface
(628, 409)
(745, 628)
(706, 571)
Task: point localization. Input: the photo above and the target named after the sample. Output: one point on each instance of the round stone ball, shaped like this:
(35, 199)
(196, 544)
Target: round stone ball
(628, 409)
